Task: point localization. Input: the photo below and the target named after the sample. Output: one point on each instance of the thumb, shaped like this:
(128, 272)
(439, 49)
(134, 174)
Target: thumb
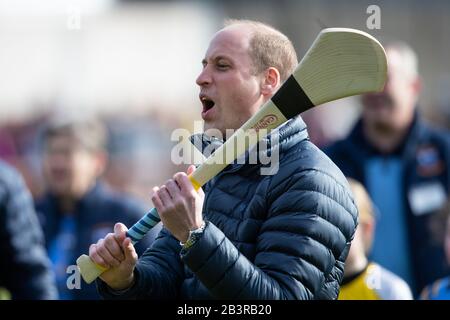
(120, 231)
(201, 193)
(128, 249)
(191, 169)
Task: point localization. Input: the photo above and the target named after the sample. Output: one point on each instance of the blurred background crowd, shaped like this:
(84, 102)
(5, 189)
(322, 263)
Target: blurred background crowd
(131, 65)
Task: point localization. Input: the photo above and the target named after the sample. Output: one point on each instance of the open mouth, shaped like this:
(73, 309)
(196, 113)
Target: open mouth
(207, 104)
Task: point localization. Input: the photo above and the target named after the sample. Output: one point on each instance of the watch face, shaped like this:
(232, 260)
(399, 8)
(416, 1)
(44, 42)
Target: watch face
(193, 237)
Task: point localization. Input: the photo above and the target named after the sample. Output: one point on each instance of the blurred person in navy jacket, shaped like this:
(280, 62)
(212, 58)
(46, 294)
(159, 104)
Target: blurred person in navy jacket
(78, 209)
(404, 164)
(25, 271)
(440, 289)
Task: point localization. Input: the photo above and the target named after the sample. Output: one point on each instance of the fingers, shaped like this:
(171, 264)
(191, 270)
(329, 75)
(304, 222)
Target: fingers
(157, 202)
(164, 196)
(120, 232)
(95, 257)
(169, 193)
(173, 190)
(190, 170)
(113, 246)
(130, 253)
(101, 255)
(108, 252)
(187, 189)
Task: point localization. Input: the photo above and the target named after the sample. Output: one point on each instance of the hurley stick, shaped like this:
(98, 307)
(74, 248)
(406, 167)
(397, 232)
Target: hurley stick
(340, 63)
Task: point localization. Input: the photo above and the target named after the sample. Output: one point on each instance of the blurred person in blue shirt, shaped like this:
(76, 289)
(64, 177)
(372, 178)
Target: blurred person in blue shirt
(403, 162)
(78, 208)
(365, 279)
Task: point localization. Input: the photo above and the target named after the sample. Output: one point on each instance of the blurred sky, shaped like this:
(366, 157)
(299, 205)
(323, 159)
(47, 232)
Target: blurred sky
(111, 56)
(134, 63)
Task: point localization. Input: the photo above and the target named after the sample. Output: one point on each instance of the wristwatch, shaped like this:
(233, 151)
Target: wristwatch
(194, 235)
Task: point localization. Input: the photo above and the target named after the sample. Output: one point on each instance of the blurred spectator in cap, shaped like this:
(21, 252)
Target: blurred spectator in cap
(77, 208)
(25, 271)
(363, 279)
(403, 162)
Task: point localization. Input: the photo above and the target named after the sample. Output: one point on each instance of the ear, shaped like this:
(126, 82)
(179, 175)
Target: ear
(368, 230)
(271, 82)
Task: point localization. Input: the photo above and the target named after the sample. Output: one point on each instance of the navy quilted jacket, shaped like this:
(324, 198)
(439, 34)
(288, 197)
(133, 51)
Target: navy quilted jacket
(281, 236)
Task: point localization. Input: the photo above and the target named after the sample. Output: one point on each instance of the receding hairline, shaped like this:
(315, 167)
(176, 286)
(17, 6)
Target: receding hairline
(253, 26)
(262, 34)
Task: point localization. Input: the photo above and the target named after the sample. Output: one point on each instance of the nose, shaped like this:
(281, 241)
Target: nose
(204, 78)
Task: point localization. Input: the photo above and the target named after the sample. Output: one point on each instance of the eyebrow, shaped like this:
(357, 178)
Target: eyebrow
(205, 61)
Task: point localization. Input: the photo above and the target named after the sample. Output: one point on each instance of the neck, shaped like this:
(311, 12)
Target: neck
(385, 139)
(355, 266)
(66, 204)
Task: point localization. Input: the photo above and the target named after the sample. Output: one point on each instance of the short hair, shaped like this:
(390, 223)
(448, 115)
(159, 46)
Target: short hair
(362, 200)
(269, 48)
(409, 56)
(90, 133)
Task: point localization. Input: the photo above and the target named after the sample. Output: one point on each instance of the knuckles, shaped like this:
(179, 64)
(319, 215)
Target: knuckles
(178, 176)
(189, 195)
(169, 182)
(92, 249)
(101, 250)
(110, 239)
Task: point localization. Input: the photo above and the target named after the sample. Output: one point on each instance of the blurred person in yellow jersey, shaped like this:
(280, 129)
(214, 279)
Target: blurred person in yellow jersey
(363, 279)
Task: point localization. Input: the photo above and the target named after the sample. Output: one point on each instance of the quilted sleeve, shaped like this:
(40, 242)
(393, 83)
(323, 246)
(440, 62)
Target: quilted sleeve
(310, 222)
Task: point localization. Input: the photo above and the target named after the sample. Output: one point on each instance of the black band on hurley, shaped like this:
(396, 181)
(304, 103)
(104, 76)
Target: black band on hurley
(290, 99)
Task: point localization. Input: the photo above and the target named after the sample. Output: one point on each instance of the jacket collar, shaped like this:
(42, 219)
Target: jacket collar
(281, 139)
(86, 201)
(360, 142)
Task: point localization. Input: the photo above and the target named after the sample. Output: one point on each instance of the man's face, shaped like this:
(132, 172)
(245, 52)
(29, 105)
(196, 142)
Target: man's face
(394, 106)
(229, 91)
(69, 169)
